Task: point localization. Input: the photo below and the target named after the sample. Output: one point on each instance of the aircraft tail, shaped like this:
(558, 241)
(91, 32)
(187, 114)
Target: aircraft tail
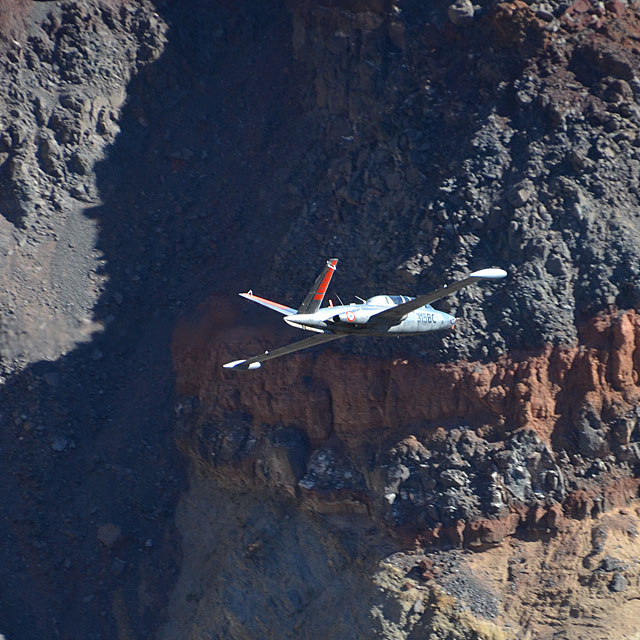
(315, 297)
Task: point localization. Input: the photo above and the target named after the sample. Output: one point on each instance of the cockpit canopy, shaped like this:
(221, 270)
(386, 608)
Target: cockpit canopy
(386, 301)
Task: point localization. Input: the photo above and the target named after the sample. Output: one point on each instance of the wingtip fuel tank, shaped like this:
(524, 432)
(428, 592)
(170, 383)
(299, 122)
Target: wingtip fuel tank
(240, 364)
(489, 274)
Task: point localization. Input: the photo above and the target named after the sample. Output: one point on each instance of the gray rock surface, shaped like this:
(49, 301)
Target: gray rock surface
(58, 92)
(466, 478)
(618, 583)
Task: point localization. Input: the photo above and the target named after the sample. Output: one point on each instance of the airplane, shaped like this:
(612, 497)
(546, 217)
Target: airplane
(381, 315)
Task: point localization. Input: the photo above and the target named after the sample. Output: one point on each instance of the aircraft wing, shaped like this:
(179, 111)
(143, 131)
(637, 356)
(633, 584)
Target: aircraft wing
(256, 361)
(395, 314)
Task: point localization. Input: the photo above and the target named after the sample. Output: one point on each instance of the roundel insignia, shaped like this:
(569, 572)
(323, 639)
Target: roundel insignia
(351, 316)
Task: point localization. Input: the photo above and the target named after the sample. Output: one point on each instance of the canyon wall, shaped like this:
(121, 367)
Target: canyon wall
(524, 439)
(156, 159)
(449, 149)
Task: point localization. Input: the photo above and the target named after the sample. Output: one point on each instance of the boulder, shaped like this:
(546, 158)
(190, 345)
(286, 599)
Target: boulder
(109, 534)
(461, 12)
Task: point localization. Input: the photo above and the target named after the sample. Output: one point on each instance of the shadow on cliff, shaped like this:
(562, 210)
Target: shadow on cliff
(92, 472)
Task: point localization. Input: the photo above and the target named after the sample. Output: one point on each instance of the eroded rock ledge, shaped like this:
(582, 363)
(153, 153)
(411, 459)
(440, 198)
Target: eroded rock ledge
(479, 450)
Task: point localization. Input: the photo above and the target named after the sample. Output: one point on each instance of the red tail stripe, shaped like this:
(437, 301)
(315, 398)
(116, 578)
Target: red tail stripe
(325, 282)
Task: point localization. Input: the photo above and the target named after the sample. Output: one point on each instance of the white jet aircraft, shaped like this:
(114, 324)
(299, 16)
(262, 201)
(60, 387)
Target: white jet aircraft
(378, 316)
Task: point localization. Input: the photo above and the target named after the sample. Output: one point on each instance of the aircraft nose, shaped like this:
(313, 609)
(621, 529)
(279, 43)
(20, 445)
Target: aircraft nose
(453, 321)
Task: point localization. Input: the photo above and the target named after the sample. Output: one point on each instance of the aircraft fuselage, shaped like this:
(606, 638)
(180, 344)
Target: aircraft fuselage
(360, 319)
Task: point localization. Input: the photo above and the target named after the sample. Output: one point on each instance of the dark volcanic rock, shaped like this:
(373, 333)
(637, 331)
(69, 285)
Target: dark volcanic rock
(591, 439)
(329, 469)
(152, 154)
(610, 564)
(464, 173)
(463, 477)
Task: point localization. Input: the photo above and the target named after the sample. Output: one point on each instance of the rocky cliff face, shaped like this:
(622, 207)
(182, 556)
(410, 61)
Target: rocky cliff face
(503, 141)
(60, 110)
(155, 159)
(464, 451)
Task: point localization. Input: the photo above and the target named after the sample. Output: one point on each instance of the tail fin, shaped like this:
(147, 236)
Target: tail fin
(315, 297)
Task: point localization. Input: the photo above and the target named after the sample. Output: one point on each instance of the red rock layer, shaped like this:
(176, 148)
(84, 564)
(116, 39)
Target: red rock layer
(355, 396)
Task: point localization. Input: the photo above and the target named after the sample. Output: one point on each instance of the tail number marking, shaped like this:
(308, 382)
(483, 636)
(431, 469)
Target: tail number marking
(426, 318)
